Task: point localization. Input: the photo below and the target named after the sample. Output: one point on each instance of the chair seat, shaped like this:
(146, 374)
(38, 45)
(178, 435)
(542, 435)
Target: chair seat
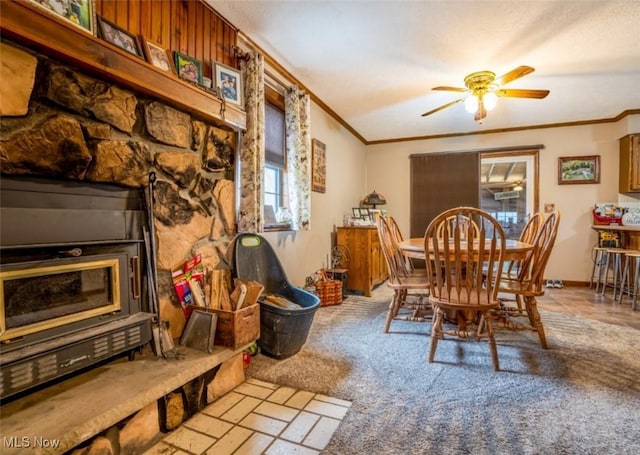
(415, 280)
(523, 288)
(451, 302)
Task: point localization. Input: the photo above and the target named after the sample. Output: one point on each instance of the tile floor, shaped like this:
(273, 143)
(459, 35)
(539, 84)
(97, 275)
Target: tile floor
(258, 417)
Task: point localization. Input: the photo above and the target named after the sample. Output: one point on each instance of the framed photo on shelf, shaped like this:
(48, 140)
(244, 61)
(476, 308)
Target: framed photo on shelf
(229, 83)
(119, 37)
(318, 166)
(157, 55)
(188, 68)
(578, 169)
(79, 13)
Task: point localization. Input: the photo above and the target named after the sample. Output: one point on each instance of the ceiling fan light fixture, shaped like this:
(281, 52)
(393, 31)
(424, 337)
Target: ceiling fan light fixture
(471, 103)
(490, 100)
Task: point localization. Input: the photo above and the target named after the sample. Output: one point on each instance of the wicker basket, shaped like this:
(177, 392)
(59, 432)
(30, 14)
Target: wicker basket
(329, 292)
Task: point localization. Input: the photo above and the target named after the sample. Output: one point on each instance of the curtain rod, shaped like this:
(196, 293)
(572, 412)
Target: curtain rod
(518, 148)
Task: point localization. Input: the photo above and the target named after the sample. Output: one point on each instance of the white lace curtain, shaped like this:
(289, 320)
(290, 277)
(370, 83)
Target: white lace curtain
(252, 152)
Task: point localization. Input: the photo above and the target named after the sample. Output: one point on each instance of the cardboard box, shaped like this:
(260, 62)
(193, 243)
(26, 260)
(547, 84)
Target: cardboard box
(236, 328)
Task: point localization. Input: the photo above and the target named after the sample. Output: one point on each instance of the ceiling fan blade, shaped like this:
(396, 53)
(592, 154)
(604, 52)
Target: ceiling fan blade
(444, 106)
(450, 89)
(514, 74)
(523, 93)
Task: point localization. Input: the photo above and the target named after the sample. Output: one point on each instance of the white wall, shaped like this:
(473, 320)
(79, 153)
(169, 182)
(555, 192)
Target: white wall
(302, 253)
(388, 173)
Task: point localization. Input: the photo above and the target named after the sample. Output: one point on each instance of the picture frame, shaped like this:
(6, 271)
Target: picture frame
(80, 14)
(356, 212)
(119, 37)
(157, 55)
(573, 170)
(228, 82)
(188, 68)
(318, 166)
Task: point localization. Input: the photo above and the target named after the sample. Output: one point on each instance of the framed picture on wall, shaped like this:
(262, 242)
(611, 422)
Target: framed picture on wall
(229, 83)
(318, 166)
(119, 37)
(79, 13)
(157, 55)
(578, 169)
(188, 68)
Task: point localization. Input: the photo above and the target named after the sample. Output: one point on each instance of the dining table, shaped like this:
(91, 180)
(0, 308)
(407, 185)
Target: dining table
(515, 250)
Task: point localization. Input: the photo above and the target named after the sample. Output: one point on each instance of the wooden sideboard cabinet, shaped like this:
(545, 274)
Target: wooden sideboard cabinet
(365, 261)
(630, 164)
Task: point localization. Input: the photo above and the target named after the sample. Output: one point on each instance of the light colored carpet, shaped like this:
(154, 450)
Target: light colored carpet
(581, 396)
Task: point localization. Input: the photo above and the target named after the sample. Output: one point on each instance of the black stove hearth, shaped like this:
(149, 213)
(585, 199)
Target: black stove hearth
(72, 290)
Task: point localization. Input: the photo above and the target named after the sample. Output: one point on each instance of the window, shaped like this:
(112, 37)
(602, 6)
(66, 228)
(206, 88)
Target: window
(503, 182)
(508, 188)
(275, 170)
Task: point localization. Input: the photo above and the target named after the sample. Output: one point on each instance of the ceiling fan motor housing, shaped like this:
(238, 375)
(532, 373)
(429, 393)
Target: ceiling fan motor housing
(480, 82)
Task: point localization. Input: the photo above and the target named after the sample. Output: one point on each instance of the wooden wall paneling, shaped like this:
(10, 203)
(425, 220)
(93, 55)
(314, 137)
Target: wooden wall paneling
(206, 39)
(219, 40)
(122, 14)
(134, 22)
(146, 16)
(106, 9)
(229, 42)
(164, 31)
(199, 38)
(190, 29)
(180, 24)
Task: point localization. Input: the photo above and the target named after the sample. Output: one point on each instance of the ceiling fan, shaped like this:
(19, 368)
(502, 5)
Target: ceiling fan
(483, 90)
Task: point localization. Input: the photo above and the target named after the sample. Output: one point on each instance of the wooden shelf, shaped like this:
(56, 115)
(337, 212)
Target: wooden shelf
(43, 32)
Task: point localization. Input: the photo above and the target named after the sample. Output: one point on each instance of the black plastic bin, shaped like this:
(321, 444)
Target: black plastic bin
(283, 332)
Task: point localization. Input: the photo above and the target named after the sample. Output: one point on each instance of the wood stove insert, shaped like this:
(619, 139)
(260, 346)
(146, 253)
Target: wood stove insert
(72, 292)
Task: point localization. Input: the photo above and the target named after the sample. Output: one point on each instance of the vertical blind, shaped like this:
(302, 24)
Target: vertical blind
(440, 181)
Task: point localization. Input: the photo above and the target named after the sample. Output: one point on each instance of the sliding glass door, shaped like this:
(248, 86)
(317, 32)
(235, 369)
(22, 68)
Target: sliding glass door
(508, 188)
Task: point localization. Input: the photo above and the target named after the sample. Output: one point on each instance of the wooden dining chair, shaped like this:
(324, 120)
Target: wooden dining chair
(460, 221)
(524, 289)
(529, 233)
(456, 254)
(398, 238)
(410, 286)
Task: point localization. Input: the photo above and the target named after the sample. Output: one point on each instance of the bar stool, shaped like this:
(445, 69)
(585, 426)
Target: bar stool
(598, 255)
(616, 255)
(634, 256)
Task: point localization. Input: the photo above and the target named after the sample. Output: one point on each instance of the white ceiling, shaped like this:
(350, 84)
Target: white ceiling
(374, 62)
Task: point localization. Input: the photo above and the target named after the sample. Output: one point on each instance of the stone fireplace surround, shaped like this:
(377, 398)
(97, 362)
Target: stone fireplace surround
(81, 128)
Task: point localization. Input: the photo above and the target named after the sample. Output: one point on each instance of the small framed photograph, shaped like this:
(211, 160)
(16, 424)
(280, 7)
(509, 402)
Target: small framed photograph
(356, 212)
(79, 13)
(365, 214)
(118, 36)
(578, 169)
(157, 55)
(188, 68)
(229, 83)
(318, 166)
